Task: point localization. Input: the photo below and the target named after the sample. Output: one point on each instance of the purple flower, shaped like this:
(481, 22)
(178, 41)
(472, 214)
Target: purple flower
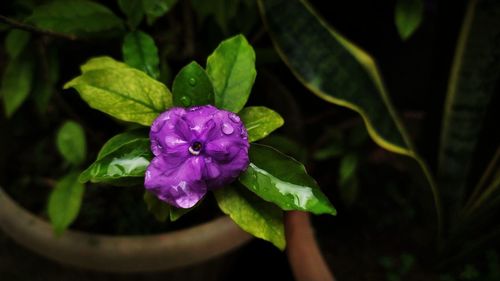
(196, 149)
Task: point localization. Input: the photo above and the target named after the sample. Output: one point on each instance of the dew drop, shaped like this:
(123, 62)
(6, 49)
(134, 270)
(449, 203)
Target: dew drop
(192, 81)
(235, 118)
(227, 129)
(186, 101)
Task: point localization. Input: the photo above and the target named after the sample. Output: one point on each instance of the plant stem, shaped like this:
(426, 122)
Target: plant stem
(303, 253)
(20, 25)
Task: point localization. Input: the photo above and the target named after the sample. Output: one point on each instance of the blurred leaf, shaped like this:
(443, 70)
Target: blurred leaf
(156, 8)
(260, 121)
(231, 68)
(71, 142)
(474, 79)
(75, 17)
(64, 202)
(348, 166)
(192, 87)
(139, 51)
(176, 213)
(407, 262)
(158, 208)
(17, 82)
(222, 11)
(334, 149)
(252, 214)
(469, 273)
(47, 77)
(333, 68)
(120, 91)
(283, 181)
(408, 16)
(120, 140)
(125, 165)
(348, 180)
(15, 42)
(133, 10)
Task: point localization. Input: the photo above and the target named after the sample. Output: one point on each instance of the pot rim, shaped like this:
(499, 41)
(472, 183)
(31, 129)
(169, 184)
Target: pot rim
(126, 253)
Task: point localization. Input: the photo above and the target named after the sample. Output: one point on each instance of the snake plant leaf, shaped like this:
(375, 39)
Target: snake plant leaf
(333, 68)
(473, 82)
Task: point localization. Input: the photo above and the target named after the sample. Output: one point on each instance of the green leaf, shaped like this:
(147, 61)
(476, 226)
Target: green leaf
(133, 10)
(16, 41)
(282, 180)
(120, 91)
(156, 8)
(192, 87)
(17, 81)
(333, 68)
(71, 142)
(348, 165)
(231, 67)
(101, 63)
(176, 213)
(252, 214)
(75, 17)
(331, 151)
(473, 82)
(260, 121)
(408, 16)
(125, 165)
(287, 146)
(120, 140)
(64, 202)
(46, 79)
(348, 181)
(158, 208)
(139, 51)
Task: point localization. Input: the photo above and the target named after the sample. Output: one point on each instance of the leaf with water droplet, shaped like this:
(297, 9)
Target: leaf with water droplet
(192, 81)
(192, 87)
(231, 68)
(260, 121)
(121, 91)
(282, 180)
(186, 101)
(123, 163)
(257, 217)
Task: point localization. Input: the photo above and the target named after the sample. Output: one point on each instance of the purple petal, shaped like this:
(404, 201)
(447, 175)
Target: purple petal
(196, 149)
(178, 183)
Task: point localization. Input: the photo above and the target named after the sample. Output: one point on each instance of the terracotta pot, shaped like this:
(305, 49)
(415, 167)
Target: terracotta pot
(120, 253)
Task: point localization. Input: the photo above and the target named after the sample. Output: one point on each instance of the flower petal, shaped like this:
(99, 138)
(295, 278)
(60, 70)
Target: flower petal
(177, 181)
(169, 133)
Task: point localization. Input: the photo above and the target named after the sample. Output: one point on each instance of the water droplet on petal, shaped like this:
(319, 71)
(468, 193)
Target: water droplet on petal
(227, 128)
(186, 101)
(192, 81)
(235, 118)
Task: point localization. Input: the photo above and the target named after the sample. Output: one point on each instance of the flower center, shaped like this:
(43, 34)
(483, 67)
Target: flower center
(195, 148)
